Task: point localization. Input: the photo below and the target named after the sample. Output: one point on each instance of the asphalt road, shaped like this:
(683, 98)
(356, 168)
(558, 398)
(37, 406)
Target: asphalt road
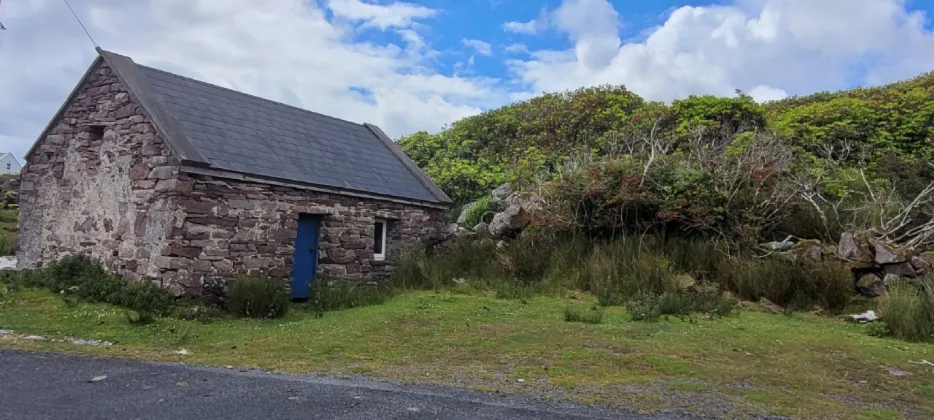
(52, 386)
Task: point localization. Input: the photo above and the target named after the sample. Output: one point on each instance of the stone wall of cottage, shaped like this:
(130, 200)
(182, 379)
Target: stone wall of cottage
(238, 227)
(101, 183)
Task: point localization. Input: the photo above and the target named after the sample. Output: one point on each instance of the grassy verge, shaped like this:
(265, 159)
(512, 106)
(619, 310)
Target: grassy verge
(748, 364)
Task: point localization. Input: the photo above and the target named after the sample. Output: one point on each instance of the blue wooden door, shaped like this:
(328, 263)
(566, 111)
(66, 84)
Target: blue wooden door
(306, 256)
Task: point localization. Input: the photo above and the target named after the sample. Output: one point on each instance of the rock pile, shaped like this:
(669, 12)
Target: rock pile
(508, 214)
(874, 264)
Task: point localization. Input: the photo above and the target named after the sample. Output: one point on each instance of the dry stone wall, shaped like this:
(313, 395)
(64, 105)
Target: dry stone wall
(239, 227)
(101, 183)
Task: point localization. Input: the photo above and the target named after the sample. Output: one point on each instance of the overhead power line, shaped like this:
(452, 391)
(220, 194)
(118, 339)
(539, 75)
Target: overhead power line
(80, 23)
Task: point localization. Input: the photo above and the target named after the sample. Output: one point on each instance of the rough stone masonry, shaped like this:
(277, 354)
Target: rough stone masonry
(104, 183)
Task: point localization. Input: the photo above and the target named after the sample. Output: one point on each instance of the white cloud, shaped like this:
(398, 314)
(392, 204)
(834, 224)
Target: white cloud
(762, 93)
(528, 28)
(284, 50)
(516, 48)
(388, 16)
(482, 48)
(769, 48)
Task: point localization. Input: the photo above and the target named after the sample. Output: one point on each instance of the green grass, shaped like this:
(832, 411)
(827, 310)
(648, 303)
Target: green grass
(803, 366)
(7, 231)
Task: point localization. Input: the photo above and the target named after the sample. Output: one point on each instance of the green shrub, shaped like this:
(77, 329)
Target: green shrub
(144, 297)
(644, 307)
(480, 207)
(336, 295)
(79, 276)
(908, 310)
(592, 316)
(878, 329)
(258, 297)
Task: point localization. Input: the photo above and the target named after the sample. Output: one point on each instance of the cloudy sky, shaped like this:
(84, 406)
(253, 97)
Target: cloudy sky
(419, 65)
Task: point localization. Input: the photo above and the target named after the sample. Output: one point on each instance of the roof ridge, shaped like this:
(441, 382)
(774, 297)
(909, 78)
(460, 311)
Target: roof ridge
(239, 92)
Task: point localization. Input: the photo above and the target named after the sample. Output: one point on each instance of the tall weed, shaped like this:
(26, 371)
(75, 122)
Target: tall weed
(258, 297)
(786, 282)
(6, 245)
(474, 261)
(908, 310)
(620, 270)
(337, 295)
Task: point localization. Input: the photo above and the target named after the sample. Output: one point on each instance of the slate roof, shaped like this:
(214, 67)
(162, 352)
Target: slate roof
(216, 127)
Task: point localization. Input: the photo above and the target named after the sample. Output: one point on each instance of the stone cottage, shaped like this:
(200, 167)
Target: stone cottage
(162, 177)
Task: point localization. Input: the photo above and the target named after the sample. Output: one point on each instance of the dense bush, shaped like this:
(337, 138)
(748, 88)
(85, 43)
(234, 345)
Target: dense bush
(476, 154)
(81, 277)
(908, 310)
(258, 297)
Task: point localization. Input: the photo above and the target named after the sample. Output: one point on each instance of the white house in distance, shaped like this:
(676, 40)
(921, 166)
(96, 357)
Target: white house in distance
(9, 165)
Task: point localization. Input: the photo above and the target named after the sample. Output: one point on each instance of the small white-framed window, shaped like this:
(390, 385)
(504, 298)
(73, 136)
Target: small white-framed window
(9, 166)
(379, 240)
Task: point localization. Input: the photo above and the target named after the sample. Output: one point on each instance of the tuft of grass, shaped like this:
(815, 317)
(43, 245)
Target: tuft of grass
(908, 310)
(650, 307)
(258, 297)
(336, 295)
(574, 314)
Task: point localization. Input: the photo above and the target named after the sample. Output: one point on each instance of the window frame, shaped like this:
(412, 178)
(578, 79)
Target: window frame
(381, 256)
